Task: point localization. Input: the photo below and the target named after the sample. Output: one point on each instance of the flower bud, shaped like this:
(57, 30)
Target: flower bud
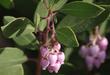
(94, 50)
(97, 63)
(89, 62)
(57, 46)
(103, 43)
(44, 63)
(83, 51)
(61, 57)
(50, 69)
(102, 56)
(52, 57)
(57, 67)
(43, 51)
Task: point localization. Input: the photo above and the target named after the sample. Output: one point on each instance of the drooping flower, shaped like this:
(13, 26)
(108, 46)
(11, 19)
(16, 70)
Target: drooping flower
(89, 62)
(103, 43)
(94, 50)
(83, 51)
(52, 59)
(44, 63)
(61, 57)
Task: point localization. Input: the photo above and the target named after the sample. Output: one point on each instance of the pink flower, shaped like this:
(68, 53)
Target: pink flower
(61, 57)
(57, 67)
(103, 43)
(97, 62)
(50, 69)
(44, 63)
(57, 46)
(90, 62)
(43, 51)
(83, 51)
(102, 56)
(94, 50)
(54, 68)
(52, 57)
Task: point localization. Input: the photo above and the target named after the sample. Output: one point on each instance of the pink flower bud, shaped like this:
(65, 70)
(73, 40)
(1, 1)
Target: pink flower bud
(50, 69)
(102, 56)
(52, 57)
(94, 50)
(57, 46)
(43, 51)
(54, 68)
(83, 51)
(97, 63)
(61, 57)
(44, 63)
(103, 43)
(57, 67)
(89, 62)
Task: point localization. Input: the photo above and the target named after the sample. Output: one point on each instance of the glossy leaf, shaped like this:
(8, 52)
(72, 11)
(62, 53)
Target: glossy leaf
(103, 27)
(17, 27)
(42, 25)
(12, 70)
(68, 52)
(37, 19)
(90, 1)
(82, 9)
(8, 19)
(51, 3)
(82, 24)
(11, 56)
(59, 5)
(41, 10)
(67, 37)
(26, 41)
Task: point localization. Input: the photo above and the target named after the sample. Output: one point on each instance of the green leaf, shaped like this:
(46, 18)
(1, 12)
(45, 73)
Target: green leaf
(51, 3)
(26, 41)
(90, 1)
(68, 52)
(82, 9)
(37, 19)
(82, 24)
(67, 37)
(41, 10)
(103, 27)
(6, 3)
(11, 56)
(12, 70)
(8, 19)
(17, 27)
(42, 25)
(59, 5)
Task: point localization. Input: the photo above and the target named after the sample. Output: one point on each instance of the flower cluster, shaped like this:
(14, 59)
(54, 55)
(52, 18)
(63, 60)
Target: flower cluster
(52, 58)
(94, 54)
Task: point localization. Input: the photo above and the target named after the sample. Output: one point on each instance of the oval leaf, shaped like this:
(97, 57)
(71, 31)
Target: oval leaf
(13, 70)
(82, 9)
(11, 56)
(59, 5)
(67, 37)
(26, 41)
(81, 24)
(17, 27)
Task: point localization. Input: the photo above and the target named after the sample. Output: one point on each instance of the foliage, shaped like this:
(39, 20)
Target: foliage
(74, 20)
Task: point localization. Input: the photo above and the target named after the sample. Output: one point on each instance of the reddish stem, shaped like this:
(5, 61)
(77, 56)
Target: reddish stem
(38, 69)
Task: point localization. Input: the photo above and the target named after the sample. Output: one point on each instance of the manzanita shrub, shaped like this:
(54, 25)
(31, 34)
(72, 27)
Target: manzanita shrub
(54, 37)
